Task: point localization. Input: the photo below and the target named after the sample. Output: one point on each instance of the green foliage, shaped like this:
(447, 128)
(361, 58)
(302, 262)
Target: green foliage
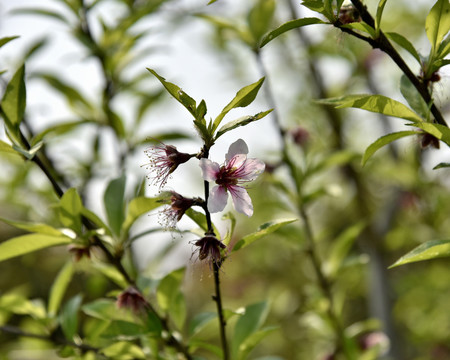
(114, 199)
(429, 250)
(59, 288)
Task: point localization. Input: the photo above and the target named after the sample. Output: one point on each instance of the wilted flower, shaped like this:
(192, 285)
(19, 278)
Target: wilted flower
(177, 206)
(164, 160)
(299, 135)
(427, 140)
(210, 248)
(132, 299)
(79, 251)
(229, 177)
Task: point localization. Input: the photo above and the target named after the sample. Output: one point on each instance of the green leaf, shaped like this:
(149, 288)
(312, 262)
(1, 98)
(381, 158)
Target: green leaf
(413, 97)
(404, 43)
(362, 26)
(25, 244)
(114, 203)
(106, 309)
(5, 40)
(252, 319)
(341, 247)
(263, 230)
(437, 24)
(59, 287)
(382, 141)
(123, 351)
(120, 329)
(380, 9)
(444, 48)
(429, 250)
(375, 103)
(200, 321)
(43, 12)
(59, 129)
(260, 17)
(13, 104)
(243, 98)
(111, 273)
(69, 210)
(254, 339)
(439, 131)
(169, 288)
(69, 317)
(33, 227)
(293, 24)
(19, 304)
(137, 207)
(200, 220)
(177, 93)
(441, 165)
(29, 153)
(242, 121)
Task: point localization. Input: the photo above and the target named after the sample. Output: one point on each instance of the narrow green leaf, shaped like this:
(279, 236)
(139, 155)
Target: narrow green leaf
(437, 24)
(200, 220)
(169, 288)
(243, 98)
(6, 148)
(439, 131)
(375, 103)
(211, 2)
(106, 309)
(119, 329)
(43, 12)
(69, 210)
(444, 48)
(114, 203)
(362, 26)
(177, 93)
(13, 103)
(429, 250)
(293, 24)
(382, 141)
(69, 317)
(252, 319)
(111, 273)
(441, 165)
(59, 287)
(124, 351)
(404, 43)
(137, 207)
(341, 247)
(413, 97)
(200, 321)
(15, 303)
(242, 121)
(5, 40)
(59, 129)
(33, 227)
(28, 243)
(380, 9)
(263, 230)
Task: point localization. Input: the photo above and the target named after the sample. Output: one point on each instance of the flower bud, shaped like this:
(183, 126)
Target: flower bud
(132, 299)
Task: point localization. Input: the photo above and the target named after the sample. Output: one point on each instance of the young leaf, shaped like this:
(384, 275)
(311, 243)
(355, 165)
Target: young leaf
(384, 140)
(13, 104)
(260, 17)
(200, 220)
(33, 227)
(243, 98)
(444, 48)
(380, 9)
(200, 321)
(437, 24)
(263, 230)
(69, 210)
(69, 317)
(114, 203)
(242, 121)
(429, 250)
(293, 24)
(169, 288)
(28, 243)
(111, 273)
(59, 288)
(404, 43)
(362, 26)
(177, 93)
(252, 319)
(375, 103)
(441, 165)
(439, 131)
(123, 350)
(137, 207)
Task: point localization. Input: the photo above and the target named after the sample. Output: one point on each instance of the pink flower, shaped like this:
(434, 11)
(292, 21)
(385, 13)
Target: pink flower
(229, 177)
(164, 160)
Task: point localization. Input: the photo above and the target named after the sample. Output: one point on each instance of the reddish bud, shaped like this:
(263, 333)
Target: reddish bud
(132, 299)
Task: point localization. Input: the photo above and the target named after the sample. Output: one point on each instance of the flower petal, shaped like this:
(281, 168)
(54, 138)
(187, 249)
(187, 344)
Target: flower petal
(217, 200)
(241, 200)
(238, 147)
(210, 169)
(251, 169)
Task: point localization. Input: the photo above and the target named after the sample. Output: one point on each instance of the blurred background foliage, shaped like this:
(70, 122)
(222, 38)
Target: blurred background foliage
(100, 130)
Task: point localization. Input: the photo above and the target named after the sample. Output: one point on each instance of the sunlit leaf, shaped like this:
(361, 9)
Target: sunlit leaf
(15, 303)
(25, 244)
(59, 287)
(111, 273)
(33, 227)
(69, 211)
(124, 351)
(380, 9)
(263, 230)
(438, 131)
(361, 26)
(375, 103)
(404, 43)
(242, 121)
(429, 250)
(260, 18)
(413, 97)
(437, 24)
(243, 98)
(6, 148)
(137, 207)
(384, 140)
(293, 24)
